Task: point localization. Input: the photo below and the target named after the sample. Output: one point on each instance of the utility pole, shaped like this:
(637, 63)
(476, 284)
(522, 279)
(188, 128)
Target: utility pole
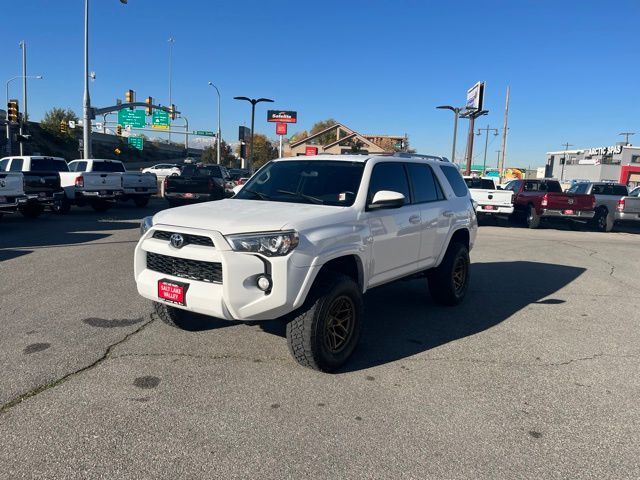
(564, 160)
(626, 136)
(504, 135)
(487, 129)
(23, 46)
(86, 110)
(471, 115)
(498, 163)
(171, 40)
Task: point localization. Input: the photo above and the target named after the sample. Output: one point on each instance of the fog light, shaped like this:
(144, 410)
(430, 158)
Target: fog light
(264, 282)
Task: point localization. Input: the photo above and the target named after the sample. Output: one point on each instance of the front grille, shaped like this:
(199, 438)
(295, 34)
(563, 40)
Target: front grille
(181, 267)
(188, 238)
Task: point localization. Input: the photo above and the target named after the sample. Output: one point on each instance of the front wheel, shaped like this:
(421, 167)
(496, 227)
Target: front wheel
(448, 283)
(326, 331)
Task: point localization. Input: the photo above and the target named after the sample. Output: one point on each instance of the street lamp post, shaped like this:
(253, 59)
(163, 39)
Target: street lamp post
(23, 77)
(456, 114)
(487, 129)
(86, 100)
(218, 138)
(564, 160)
(253, 102)
(170, 41)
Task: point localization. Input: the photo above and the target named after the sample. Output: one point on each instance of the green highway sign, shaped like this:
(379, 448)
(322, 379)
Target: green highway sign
(205, 133)
(132, 118)
(160, 119)
(136, 142)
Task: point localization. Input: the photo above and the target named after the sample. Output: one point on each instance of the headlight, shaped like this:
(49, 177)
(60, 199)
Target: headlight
(145, 224)
(270, 244)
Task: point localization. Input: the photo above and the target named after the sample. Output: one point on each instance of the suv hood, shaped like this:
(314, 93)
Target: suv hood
(231, 216)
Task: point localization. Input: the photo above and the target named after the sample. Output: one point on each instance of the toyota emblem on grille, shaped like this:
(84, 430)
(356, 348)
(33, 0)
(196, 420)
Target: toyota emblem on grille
(177, 240)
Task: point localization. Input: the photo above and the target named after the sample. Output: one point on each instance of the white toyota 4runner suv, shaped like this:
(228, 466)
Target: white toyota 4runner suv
(304, 239)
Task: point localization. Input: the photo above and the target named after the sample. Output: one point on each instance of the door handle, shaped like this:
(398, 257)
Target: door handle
(414, 219)
(447, 213)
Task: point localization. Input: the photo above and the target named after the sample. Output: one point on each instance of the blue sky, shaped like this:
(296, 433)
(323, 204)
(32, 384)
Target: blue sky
(376, 66)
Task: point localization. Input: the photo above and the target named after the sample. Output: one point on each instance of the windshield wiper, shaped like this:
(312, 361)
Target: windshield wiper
(302, 195)
(263, 196)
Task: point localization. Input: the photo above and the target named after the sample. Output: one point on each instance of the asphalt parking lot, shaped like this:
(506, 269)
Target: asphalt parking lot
(534, 376)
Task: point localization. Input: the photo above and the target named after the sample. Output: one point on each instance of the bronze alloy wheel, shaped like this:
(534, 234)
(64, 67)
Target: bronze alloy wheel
(459, 275)
(340, 324)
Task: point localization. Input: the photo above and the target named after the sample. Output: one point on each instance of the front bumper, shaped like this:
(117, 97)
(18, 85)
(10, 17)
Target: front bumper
(237, 296)
(495, 210)
(576, 214)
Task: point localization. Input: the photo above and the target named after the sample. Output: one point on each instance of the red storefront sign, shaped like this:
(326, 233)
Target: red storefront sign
(281, 128)
(311, 150)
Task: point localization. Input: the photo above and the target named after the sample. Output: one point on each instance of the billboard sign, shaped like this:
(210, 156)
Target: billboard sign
(475, 97)
(281, 128)
(282, 116)
(244, 134)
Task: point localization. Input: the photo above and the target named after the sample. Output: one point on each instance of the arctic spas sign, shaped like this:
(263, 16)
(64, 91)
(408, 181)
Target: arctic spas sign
(282, 116)
(613, 150)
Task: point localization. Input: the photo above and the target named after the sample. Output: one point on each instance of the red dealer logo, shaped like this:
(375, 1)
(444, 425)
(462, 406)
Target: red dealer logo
(311, 150)
(281, 128)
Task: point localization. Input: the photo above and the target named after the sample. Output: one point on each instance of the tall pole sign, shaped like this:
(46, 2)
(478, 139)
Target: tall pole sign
(475, 102)
(281, 118)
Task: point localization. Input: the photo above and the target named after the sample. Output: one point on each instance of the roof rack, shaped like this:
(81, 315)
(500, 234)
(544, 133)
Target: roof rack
(417, 155)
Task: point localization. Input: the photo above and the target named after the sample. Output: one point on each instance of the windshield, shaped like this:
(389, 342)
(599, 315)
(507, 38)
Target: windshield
(578, 188)
(107, 167)
(322, 182)
(635, 192)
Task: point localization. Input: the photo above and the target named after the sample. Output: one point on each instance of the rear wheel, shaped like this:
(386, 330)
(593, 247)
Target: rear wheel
(448, 283)
(603, 221)
(326, 331)
(31, 210)
(533, 219)
(141, 201)
(61, 206)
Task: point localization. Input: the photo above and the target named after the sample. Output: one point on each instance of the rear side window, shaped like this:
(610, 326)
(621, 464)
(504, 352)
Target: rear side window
(78, 166)
(49, 165)
(424, 184)
(455, 180)
(16, 165)
(3, 165)
(613, 189)
(389, 176)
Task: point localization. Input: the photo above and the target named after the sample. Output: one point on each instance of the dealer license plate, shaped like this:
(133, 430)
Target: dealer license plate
(569, 212)
(173, 292)
(488, 207)
(189, 195)
(3, 199)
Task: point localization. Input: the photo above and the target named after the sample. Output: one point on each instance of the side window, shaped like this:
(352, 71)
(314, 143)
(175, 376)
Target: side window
(3, 165)
(514, 186)
(389, 176)
(16, 165)
(597, 190)
(425, 186)
(530, 187)
(72, 166)
(79, 166)
(455, 180)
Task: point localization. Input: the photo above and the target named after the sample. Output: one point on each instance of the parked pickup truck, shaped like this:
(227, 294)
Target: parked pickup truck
(41, 183)
(196, 183)
(11, 192)
(305, 239)
(489, 199)
(539, 199)
(609, 205)
(628, 208)
(136, 186)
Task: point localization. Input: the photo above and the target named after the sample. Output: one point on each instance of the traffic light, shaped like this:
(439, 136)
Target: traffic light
(149, 101)
(13, 110)
(63, 126)
(172, 112)
(119, 130)
(130, 97)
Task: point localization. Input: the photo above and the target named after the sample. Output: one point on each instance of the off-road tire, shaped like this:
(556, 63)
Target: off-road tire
(602, 221)
(449, 282)
(532, 218)
(100, 206)
(172, 316)
(141, 201)
(308, 332)
(31, 210)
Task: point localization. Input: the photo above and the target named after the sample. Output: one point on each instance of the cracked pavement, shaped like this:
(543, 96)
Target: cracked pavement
(534, 376)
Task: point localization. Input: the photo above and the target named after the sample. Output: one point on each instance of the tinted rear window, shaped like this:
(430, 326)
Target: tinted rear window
(108, 167)
(49, 165)
(455, 180)
(481, 183)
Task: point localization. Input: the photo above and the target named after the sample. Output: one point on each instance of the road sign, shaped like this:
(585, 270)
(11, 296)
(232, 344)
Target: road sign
(132, 118)
(281, 128)
(244, 134)
(160, 119)
(282, 116)
(205, 133)
(136, 142)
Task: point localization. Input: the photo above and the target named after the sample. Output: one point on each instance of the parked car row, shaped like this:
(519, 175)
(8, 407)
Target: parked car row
(32, 184)
(600, 204)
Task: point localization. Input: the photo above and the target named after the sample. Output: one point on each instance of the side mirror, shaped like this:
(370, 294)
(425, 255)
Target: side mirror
(499, 187)
(387, 199)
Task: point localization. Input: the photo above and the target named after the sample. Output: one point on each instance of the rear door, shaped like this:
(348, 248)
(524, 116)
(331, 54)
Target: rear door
(395, 233)
(428, 195)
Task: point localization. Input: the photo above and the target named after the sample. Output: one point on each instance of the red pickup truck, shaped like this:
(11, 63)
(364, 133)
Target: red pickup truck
(538, 199)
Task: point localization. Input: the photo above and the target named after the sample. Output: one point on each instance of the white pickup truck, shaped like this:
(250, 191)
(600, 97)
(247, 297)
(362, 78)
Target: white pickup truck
(12, 194)
(489, 199)
(305, 238)
(135, 186)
